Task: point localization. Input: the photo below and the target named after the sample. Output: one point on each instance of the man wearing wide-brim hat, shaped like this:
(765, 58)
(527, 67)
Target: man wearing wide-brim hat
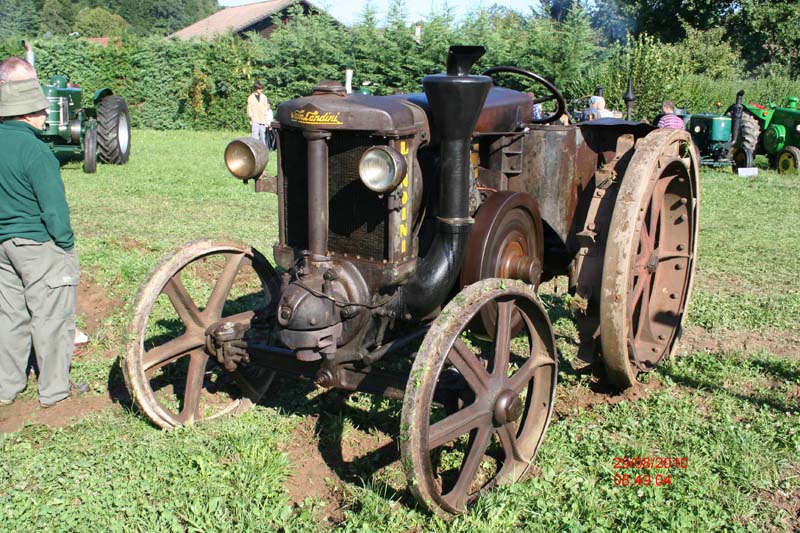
(39, 268)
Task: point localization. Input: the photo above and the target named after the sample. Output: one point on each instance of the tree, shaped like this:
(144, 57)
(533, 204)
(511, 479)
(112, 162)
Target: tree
(56, 17)
(18, 19)
(100, 22)
(767, 32)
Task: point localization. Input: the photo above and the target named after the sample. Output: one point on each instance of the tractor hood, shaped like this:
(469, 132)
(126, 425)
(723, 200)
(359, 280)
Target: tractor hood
(330, 108)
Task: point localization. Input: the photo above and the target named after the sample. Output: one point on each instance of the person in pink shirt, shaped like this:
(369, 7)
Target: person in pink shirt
(669, 119)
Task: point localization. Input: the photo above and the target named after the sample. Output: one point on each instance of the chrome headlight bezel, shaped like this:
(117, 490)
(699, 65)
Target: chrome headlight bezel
(381, 168)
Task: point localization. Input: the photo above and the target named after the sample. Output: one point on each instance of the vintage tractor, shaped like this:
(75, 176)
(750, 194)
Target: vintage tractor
(717, 136)
(414, 231)
(772, 130)
(74, 130)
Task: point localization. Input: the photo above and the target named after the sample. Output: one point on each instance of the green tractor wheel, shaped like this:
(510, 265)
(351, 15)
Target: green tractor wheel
(113, 130)
(90, 151)
(789, 160)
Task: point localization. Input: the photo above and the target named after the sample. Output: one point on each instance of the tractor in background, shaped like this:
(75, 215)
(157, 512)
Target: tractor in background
(772, 130)
(74, 130)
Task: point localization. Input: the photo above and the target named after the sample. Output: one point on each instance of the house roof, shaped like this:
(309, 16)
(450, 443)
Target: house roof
(234, 19)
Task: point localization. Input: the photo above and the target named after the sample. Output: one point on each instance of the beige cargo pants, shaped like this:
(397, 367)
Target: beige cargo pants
(38, 284)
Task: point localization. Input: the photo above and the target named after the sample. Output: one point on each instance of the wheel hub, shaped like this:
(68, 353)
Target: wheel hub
(652, 263)
(507, 407)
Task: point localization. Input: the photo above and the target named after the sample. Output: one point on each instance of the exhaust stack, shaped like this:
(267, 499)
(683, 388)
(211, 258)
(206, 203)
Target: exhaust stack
(456, 100)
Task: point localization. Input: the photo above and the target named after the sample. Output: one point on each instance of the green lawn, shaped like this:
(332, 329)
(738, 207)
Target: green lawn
(731, 412)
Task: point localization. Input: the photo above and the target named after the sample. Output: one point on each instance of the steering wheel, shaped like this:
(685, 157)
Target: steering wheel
(555, 94)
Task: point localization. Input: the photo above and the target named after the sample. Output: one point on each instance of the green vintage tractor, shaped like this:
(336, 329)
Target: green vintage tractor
(75, 130)
(772, 130)
(718, 136)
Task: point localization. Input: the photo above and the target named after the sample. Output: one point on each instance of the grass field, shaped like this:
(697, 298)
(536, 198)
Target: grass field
(305, 460)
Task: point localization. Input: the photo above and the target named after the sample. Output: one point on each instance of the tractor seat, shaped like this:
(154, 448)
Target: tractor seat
(503, 110)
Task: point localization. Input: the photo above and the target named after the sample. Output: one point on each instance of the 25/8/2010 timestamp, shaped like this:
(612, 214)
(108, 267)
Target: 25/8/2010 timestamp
(642, 480)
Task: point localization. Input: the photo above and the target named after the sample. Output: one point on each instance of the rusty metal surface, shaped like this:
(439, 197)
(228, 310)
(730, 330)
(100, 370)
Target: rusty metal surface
(457, 389)
(503, 110)
(650, 255)
(146, 355)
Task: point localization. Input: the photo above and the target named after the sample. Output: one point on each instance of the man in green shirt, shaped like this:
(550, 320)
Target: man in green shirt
(39, 268)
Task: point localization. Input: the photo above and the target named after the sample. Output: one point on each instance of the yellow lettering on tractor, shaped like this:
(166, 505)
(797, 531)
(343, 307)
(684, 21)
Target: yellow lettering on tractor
(314, 117)
(403, 203)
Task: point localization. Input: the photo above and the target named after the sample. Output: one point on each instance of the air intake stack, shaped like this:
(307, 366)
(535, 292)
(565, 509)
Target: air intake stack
(456, 100)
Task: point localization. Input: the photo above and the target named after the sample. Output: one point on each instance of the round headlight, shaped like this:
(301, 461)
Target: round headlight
(381, 168)
(697, 129)
(797, 128)
(246, 157)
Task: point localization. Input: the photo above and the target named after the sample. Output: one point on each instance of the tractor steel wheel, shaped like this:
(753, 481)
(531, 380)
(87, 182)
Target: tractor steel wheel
(650, 255)
(90, 151)
(742, 158)
(789, 160)
(113, 130)
(506, 241)
(475, 413)
(167, 370)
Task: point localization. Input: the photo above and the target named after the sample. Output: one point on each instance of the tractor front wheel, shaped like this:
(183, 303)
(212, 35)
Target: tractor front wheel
(90, 151)
(113, 130)
(170, 375)
(742, 158)
(789, 160)
(475, 411)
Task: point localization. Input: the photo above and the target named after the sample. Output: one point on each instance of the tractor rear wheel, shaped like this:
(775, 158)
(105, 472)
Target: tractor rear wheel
(113, 130)
(789, 160)
(90, 151)
(167, 369)
(650, 256)
(475, 412)
(750, 135)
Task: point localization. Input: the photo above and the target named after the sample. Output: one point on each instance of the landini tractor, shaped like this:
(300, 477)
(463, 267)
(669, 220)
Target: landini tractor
(76, 130)
(414, 231)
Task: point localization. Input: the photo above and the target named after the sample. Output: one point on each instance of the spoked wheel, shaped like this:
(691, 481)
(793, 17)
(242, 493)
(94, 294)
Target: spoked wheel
(789, 160)
(506, 241)
(168, 372)
(650, 256)
(475, 413)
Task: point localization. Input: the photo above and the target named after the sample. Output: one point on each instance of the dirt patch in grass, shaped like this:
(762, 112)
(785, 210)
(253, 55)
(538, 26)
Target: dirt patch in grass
(329, 457)
(783, 343)
(22, 412)
(311, 476)
(787, 501)
(94, 303)
(571, 400)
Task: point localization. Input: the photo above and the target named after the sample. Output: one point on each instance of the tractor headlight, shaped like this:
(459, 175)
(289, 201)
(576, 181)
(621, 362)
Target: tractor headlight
(797, 128)
(381, 168)
(246, 158)
(697, 129)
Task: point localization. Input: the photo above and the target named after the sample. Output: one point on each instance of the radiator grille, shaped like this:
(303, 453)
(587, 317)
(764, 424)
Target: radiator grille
(357, 216)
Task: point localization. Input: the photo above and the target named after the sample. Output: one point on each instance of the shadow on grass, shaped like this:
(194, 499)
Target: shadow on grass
(777, 375)
(332, 414)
